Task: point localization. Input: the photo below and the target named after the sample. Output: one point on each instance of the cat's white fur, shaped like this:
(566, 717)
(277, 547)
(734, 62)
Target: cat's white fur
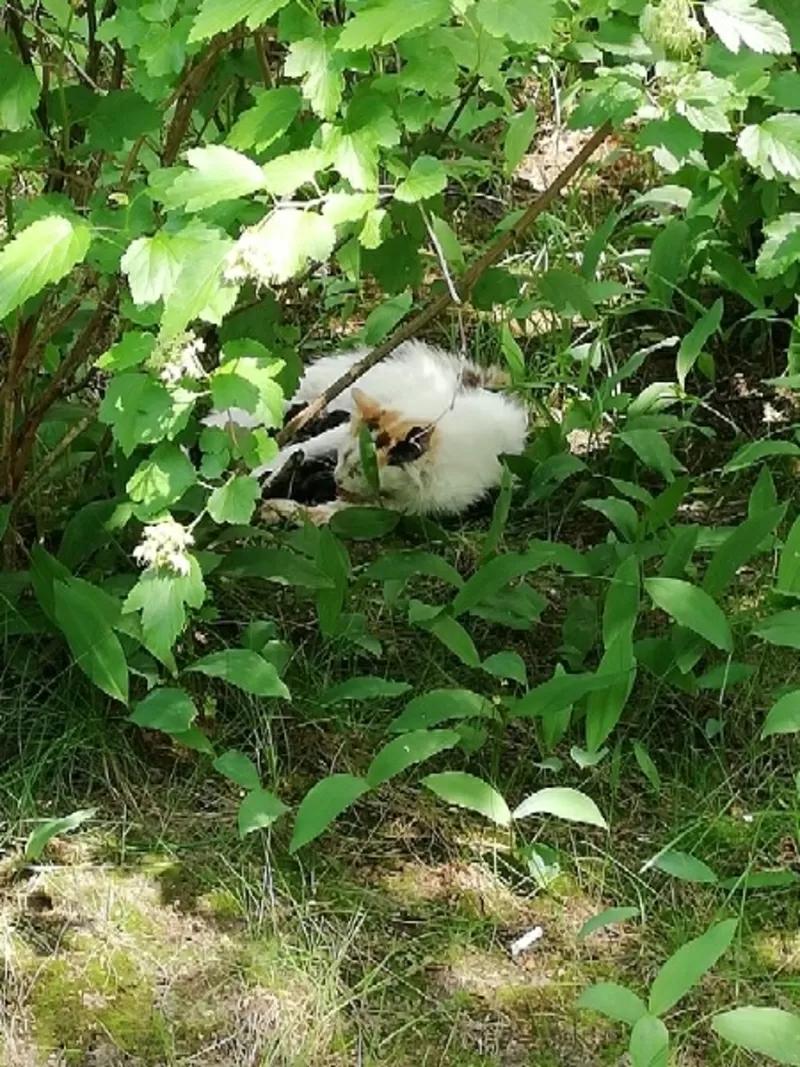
(424, 385)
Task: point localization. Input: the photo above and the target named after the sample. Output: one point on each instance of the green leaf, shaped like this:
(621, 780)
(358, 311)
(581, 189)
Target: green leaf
(604, 706)
(753, 881)
(493, 575)
(608, 918)
(466, 791)
(198, 292)
(784, 716)
(649, 1044)
(169, 710)
(781, 249)
(5, 515)
(41, 254)
(769, 1032)
(216, 16)
(651, 448)
(667, 257)
(19, 91)
(385, 316)
(363, 524)
(564, 803)
(313, 59)
(782, 629)
(693, 608)
(152, 265)
(218, 173)
(245, 669)
(621, 513)
(773, 147)
(324, 802)
(94, 646)
(400, 566)
(238, 768)
(754, 452)
(385, 22)
(686, 967)
(614, 1001)
(684, 867)
(259, 126)
(568, 293)
(737, 549)
(788, 580)
(249, 383)
(707, 101)
(161, 598)
(259, 810)
(161, 479)
(448, 242)
(40, 838)
(621, 606)
(519, 20)
(274, 565)
(519, 135)
(561, 691)
(742, 23)
(408, 749)
(506, 665)
(426, 178)
(119, 116)
(364, 687)
(235, 501)
(133, 349)
(286, 174)
(696, 339)
(646, 766)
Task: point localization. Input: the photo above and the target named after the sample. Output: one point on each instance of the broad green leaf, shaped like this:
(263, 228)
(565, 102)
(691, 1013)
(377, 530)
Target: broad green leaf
(19, 91)
(324, 802)
(466, 791)
(41, 254)
(161, 479)
(610, 98)
(448, 242)
(782, 629)
(668, 254)
(781, 249)
(621, 605)
(119, 116)
(238, 768)
(693, 608)
(646, 766)
(426, 178)
(784, 716)
(169, 710)
(564, 803)
(95, 647)
(519, 20)
(737, 549)
(773, 147)
(401, 566)
(696, 339)
(286, 174)
(686, 967)
(235, 501)
(742, 23)
(753, 453)
(605, 705)
(245, 669)
(707, 101)
(684, 867)
(274, 565)
(217, 173)
(493, 575)
(770, 1032)
(380, 323)
(608, 918)
(506, 665)
(42, 835)
(152, 265)
(725, 675)
(352, 207)
(216, 16)
(559, 692)
(385, 22)
(649, 1044)
(138, 409)
(518, 138)
(568, 293)
(621, 513)
(441, 705)
(272, 115)
(614, 1001)
(198, 292)
(408, 749)
(364, 687)
(259, 810)
(133, 349)
(249, 383)
(788, 580)
(752, 881)
(162, 600)
(363, 523)
(314, 60)
(450, 632)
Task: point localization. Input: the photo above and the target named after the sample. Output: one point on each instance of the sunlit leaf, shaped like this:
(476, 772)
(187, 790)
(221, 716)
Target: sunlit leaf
(466, 791)
(324, 802)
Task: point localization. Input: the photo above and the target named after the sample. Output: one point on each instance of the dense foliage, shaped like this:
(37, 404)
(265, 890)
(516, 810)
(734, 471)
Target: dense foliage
(183, 181)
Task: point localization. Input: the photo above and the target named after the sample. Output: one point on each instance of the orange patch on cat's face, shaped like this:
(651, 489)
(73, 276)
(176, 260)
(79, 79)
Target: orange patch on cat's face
(388, 427)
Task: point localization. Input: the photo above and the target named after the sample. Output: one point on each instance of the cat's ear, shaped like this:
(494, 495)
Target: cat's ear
(411, 446)
(367, 408)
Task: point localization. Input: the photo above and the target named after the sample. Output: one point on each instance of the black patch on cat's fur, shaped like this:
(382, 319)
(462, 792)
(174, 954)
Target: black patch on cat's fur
(411, 448)
(304, 480)
(326, 420)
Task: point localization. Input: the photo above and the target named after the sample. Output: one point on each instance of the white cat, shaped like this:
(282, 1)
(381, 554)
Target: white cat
(437, 429)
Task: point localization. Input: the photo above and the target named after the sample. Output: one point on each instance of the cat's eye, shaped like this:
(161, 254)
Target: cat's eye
(411, 448)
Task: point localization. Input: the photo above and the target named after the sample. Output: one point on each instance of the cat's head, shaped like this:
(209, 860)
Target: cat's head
(403, 449)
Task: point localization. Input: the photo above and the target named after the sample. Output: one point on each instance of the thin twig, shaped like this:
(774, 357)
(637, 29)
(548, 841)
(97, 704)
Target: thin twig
(437, 247)
(463, 285)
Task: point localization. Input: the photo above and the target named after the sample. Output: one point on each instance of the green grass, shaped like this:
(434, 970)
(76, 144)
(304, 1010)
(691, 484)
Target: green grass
(170, 941)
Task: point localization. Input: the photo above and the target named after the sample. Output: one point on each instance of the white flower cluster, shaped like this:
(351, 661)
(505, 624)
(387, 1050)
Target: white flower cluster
(673, 26)
(251, 257)
(164, 547)
(179, 359)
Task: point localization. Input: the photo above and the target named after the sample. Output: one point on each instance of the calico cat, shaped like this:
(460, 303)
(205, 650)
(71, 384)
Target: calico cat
(437, 428)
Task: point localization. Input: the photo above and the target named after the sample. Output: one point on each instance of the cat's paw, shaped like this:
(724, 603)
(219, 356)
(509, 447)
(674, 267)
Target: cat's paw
(275, 512)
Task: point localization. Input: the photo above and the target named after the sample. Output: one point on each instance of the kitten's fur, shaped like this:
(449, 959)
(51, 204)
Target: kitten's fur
(438, 430)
